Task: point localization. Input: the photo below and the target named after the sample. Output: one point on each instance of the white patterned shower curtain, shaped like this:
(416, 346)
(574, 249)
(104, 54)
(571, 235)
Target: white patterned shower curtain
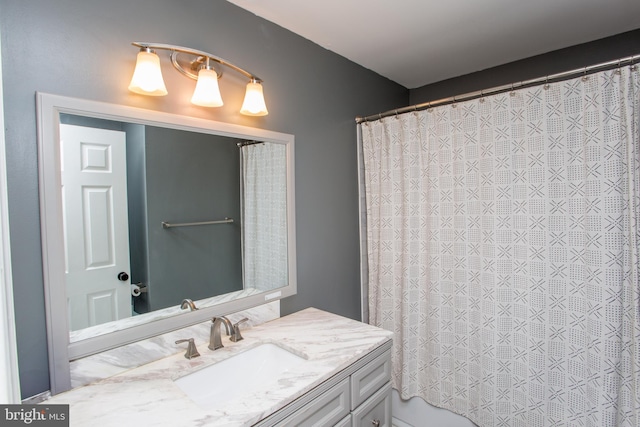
(502, 239)
(264, 216)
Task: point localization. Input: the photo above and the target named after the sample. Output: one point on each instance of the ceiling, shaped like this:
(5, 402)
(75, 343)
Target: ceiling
(417, 42)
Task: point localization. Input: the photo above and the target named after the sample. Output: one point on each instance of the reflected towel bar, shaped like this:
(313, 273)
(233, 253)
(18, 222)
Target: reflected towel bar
(189, 224)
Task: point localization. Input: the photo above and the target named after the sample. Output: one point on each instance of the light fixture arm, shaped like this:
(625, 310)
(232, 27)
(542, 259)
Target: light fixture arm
(200, 56)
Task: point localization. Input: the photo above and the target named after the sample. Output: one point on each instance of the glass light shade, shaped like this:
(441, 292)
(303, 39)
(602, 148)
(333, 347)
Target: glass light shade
(147, 77)
(207, 92)
(253, 104)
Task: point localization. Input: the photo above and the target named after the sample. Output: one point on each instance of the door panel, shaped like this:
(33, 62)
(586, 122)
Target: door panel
(98, 227)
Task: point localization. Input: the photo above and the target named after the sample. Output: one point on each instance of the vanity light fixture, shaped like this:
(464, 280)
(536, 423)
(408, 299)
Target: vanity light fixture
(196, 64)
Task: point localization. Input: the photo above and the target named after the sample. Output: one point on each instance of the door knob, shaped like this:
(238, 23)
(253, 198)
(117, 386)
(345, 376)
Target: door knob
(123, 277)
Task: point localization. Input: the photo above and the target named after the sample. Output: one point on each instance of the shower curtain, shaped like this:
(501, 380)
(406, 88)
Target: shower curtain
(264, 215)
(502, 251)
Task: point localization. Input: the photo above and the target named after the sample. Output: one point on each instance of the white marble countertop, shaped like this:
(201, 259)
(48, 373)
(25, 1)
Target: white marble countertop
(147, 395)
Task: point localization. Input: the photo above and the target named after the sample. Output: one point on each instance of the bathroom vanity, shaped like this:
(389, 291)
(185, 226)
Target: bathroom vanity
(308, 368)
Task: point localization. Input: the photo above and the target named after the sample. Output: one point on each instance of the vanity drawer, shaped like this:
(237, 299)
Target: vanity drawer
(326, 410)
(368, 379)
(376, 411)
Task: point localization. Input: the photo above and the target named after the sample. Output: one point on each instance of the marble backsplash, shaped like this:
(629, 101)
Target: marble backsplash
(115, 361)
(164, 313)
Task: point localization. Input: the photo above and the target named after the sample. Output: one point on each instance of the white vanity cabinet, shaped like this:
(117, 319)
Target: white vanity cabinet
(358, 396)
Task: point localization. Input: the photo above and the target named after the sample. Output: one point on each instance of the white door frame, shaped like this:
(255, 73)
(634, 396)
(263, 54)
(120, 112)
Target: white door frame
(9, 383)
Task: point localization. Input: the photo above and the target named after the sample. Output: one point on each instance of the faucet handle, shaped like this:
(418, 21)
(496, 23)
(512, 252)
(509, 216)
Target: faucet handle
(236, 336)
(192, 351)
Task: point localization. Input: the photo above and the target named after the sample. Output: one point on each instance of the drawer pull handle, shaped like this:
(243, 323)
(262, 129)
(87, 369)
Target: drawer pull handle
(376, 423)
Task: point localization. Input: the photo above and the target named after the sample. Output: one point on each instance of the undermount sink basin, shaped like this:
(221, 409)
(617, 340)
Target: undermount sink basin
(241, 374)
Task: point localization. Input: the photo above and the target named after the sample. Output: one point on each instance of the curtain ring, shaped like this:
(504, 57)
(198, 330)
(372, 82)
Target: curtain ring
(481, 96)
(584, 75)
(513, 91)
(546, 83)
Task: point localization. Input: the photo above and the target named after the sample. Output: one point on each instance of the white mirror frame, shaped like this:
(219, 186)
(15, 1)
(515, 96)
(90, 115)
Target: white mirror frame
(61, 351)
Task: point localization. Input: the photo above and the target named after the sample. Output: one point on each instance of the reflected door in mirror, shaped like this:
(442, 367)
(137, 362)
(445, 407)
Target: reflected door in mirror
(95, 225)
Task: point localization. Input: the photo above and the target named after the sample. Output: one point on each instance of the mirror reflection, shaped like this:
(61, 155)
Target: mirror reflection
(153, 215)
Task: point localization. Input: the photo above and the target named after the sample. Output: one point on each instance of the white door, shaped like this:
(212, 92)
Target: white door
(94, 197)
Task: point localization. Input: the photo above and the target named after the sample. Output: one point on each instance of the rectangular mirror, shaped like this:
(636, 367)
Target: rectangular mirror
(143, 209)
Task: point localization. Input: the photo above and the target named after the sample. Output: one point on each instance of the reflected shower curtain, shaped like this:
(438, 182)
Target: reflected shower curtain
(264, 213)
(502, 239)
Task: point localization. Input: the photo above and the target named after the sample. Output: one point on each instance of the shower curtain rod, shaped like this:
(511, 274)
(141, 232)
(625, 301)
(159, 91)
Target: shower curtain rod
(506, 88)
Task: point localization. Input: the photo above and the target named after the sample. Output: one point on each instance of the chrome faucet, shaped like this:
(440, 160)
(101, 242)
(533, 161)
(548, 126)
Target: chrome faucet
(215, 342)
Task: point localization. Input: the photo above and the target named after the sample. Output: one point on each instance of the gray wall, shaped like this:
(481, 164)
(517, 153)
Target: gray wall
(81, 48)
